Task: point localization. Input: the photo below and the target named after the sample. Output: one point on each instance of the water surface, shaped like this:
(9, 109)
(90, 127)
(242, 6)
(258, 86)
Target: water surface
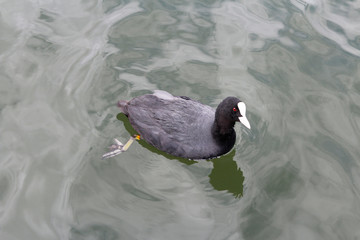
(64, 65)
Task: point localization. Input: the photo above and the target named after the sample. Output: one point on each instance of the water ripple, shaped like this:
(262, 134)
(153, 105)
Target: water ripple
(65, 65)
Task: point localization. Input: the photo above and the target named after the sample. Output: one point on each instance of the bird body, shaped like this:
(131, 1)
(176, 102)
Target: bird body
(183, 127)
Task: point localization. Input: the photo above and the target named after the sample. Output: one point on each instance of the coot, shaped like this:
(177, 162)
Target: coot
(183, 127)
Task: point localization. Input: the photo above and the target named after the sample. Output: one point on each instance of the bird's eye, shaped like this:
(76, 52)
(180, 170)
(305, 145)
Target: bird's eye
(234, 109)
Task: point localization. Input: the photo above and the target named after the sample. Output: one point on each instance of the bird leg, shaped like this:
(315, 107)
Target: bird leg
(118, 147)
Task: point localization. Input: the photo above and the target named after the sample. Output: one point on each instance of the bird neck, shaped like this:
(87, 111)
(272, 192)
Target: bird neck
(222, 128)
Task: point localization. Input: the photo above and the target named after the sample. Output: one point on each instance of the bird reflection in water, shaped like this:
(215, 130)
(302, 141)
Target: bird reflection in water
(225, 175)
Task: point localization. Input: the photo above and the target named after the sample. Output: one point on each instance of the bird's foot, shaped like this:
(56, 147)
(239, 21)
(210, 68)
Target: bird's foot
(118, 147)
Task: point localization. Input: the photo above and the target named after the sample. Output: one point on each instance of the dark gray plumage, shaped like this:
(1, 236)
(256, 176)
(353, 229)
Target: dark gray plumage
(183, 127)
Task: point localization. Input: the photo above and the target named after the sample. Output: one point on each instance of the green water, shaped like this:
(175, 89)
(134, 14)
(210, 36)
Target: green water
(65, 64)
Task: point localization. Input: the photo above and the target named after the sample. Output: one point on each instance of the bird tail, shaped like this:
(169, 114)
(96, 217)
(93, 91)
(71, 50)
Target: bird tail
(122, 104)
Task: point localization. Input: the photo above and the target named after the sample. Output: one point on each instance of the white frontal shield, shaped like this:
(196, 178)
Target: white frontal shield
(243, 119)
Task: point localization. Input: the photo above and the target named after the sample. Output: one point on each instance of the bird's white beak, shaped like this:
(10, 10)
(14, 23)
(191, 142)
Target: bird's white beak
(243, 119)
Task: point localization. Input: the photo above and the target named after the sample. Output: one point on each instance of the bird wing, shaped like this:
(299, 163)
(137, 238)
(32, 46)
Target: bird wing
(172, 126)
